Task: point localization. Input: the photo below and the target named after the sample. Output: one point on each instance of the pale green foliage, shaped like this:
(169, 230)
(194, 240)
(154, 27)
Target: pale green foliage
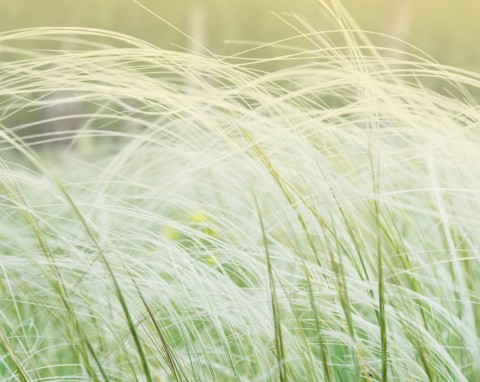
(205, 221)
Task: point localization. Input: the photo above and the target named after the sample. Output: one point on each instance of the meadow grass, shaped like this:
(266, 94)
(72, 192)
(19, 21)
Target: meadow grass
(201, 219)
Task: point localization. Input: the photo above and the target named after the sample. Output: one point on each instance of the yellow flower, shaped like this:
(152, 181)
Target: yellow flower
(210, 231)
(198, 217)
(210, 260)
(172, 233)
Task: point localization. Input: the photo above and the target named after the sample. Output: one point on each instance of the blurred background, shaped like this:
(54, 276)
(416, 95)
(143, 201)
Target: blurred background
(447, 30)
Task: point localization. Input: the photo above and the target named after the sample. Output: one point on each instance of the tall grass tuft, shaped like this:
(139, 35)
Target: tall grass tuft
(208, 220)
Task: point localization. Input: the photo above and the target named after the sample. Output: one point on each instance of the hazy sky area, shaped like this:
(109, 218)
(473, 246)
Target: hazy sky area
(445, 29)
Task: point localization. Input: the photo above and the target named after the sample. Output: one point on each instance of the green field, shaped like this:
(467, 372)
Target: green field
(171, 216)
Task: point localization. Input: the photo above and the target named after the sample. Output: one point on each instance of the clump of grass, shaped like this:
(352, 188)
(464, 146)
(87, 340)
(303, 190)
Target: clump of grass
(210, 221)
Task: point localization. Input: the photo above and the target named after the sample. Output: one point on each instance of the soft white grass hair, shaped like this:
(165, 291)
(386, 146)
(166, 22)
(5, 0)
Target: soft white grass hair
(212, 221)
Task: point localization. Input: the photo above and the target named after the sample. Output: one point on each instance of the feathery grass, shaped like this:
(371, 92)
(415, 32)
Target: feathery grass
(196, 218)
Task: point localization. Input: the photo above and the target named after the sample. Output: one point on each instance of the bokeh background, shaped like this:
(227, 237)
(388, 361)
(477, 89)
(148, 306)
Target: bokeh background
(447, 30)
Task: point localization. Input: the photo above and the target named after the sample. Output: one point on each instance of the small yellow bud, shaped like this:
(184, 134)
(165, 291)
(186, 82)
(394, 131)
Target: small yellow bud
(210, 260)
(198, 217)
(172, 233)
